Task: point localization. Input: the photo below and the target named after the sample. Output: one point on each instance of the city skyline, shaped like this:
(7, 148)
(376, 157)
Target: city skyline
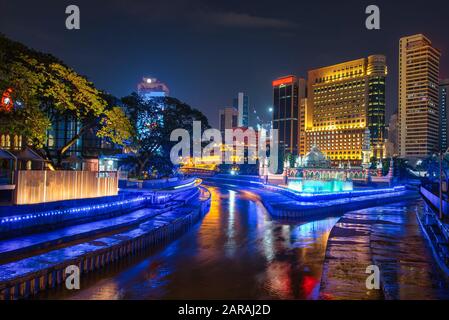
(247, 70)
(205, 151)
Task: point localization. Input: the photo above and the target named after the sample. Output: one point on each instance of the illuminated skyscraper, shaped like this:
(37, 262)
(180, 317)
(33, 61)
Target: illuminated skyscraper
(287, 91)
(344, 100)
(228, 119)
(152, 88)
(241, 103)
(418, 97)
(302, 127)
(444, 114)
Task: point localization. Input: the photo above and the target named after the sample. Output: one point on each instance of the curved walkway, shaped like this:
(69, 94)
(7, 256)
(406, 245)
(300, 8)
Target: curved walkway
(392, 240)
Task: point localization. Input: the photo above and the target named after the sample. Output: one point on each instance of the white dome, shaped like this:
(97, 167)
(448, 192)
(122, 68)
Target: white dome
(315, 158)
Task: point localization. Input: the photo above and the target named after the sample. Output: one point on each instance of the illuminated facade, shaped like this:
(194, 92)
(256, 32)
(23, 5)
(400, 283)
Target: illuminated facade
(302, 127)
(343, 101)
(287, 92)
(444, 114)
(228, 119)
(418, 97)
(151, 88)
(241, 103)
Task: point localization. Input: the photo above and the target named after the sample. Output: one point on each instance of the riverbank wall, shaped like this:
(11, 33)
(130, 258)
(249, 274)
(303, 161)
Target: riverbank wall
(26, 277)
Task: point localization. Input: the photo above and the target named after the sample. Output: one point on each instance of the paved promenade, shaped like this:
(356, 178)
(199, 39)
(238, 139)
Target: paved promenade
(392, 240)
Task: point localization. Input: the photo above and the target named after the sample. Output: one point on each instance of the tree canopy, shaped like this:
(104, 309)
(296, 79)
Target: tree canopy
(43, 87)
(153, 121)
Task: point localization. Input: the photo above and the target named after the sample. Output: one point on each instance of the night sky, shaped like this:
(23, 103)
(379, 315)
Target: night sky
(206, 51)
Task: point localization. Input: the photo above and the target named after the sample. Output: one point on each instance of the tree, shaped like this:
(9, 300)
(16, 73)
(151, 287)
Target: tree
(153, 122)
(47, 88)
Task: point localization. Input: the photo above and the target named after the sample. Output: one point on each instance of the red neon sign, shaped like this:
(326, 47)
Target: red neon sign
(283, 81)
(7, 103)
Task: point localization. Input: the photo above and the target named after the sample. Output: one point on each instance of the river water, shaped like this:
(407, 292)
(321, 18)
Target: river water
(236, 252)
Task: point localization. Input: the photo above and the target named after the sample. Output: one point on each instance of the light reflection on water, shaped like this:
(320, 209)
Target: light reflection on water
(320, 186)
(236, 252)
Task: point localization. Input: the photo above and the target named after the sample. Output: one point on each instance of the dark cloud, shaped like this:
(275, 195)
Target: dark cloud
(242, 20)
(199, 13)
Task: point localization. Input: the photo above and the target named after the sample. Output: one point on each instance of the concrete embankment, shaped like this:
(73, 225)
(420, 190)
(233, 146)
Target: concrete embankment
(27, 276)
(287, 204)
(387, 237)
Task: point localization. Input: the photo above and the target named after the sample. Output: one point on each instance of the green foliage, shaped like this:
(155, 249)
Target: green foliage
(46, 87)
(115, 126)
(153, 122)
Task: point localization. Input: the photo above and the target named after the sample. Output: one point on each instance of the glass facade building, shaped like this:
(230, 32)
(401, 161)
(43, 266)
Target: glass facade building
(286, 93)
(241, 103)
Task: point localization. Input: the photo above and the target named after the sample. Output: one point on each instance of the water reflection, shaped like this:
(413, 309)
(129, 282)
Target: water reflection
(236, 252)
(320, 186)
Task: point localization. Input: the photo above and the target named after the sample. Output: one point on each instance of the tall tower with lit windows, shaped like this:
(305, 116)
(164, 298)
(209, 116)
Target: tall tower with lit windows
(343, 101)
(419, 116)
(287, 93)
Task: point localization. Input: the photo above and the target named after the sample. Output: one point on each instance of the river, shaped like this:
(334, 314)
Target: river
(236, 252)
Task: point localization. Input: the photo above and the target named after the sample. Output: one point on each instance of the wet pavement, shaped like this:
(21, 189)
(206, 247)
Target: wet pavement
(239, 252)
(390, 238)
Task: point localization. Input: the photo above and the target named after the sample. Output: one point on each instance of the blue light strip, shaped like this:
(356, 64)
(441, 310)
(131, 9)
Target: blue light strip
(353, 193)
(82, 210)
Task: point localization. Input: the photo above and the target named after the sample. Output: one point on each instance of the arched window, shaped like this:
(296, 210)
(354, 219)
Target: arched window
(3, 141)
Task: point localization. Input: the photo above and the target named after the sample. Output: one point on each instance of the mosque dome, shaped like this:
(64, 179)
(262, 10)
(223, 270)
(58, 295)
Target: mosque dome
(315, 158)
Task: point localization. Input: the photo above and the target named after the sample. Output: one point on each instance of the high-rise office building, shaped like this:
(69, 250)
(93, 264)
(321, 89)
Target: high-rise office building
(302, 127)
(241, 103)
(152, 88)
(444, 114)
(287, 91)
(228, 119)
(418, 97)
(343, 101)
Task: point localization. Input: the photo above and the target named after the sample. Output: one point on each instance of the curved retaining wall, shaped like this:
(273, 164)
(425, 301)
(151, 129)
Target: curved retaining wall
(26, 219)
(288, 204)
(355, 203)
(130, 243)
